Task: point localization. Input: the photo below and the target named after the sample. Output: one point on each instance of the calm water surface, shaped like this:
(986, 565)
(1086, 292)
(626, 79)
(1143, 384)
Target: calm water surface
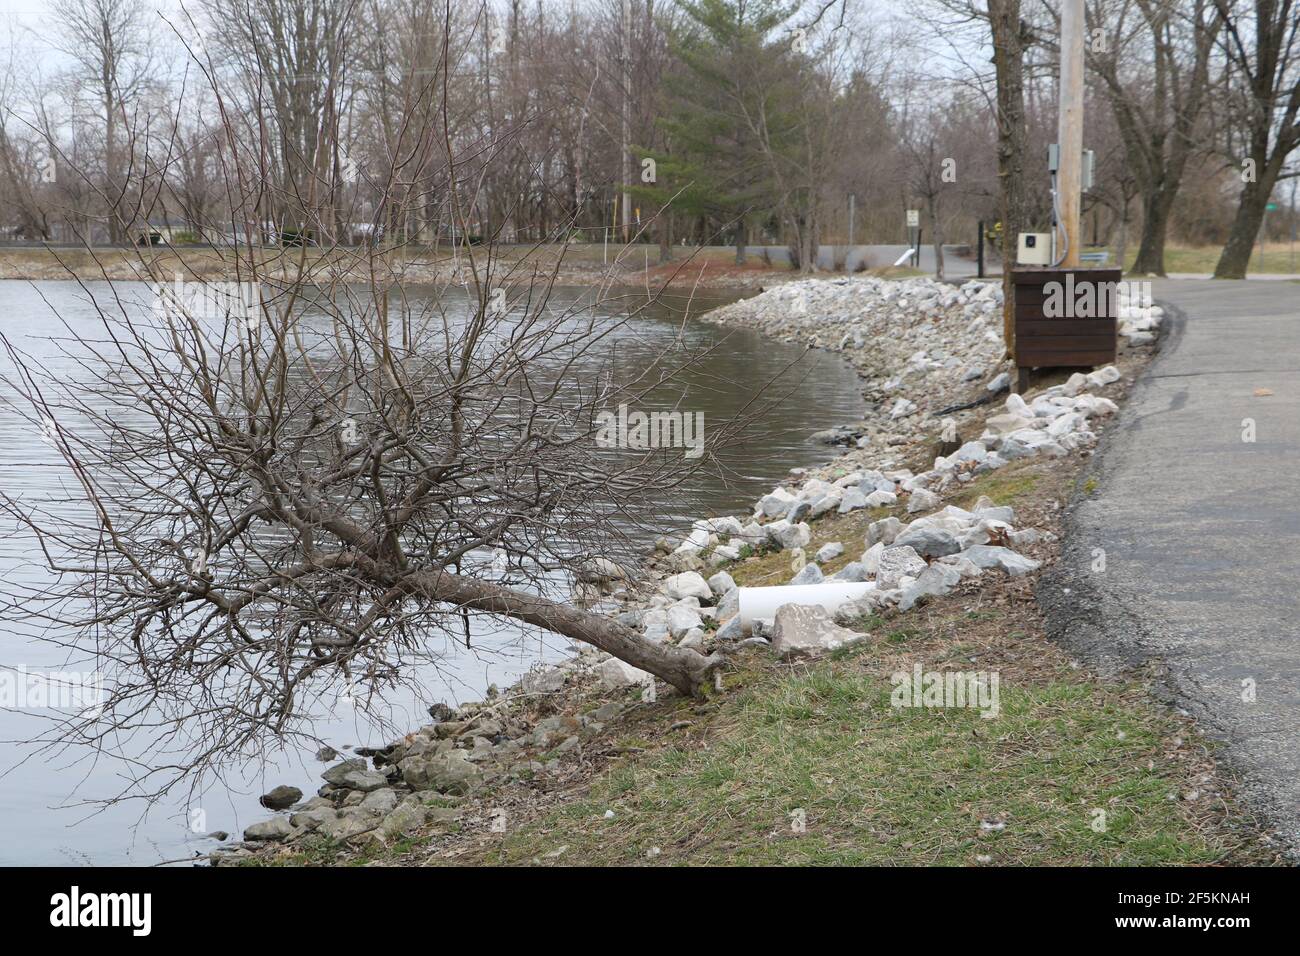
(47, 809)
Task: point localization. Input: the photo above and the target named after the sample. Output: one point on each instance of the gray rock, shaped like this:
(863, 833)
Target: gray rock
(810, 574)
(852, 500)
(801, 631)
(776, 504)
(799, 511)
(326, 754)
(729, 604)
(407, 817)
(886, 530)
(598, 570)
(543, 680)
(722, 583)
(694, 638)
(380, 801)
(829, 552)
(936, 580)
(784, 535)
(730, 630)
(853, 572)
(607, 712)
(928, 542)
(992, 556)
(353, 775)
(852, 611)
(897, 563)
(922, 500)
(348, 824)
(276, 828)
(447, 772)
(281, 798)
(827, 502)
(308, 820)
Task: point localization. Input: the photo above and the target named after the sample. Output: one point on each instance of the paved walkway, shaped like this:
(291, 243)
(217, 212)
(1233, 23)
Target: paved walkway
(1201, 530)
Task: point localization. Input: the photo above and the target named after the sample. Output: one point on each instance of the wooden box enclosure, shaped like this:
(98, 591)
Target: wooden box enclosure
(1082, 328)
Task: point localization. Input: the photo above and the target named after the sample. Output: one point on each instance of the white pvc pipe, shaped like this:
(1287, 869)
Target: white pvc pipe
(763, 602)
(905, 256)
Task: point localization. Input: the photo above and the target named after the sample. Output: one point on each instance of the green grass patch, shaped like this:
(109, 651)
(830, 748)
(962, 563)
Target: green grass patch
(879, 785)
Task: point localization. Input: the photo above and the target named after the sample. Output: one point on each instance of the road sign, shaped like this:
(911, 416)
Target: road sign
(1271, 207)
(913, 218)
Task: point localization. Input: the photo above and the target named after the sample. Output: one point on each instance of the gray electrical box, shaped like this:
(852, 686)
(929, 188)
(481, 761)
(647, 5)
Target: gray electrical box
(1088, 160)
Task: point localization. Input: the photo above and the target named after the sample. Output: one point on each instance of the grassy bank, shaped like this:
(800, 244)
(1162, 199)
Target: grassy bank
(1074, 769)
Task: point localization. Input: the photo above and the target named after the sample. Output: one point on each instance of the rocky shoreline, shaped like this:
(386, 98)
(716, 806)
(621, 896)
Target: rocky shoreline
(930, 357)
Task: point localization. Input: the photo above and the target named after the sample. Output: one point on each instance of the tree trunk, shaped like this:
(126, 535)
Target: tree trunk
(1235, 258)
(1008, 60)
(1121, 245)
(1155, 224)
(665, 236)
(937, 239)
(685, 669)
(740, 244)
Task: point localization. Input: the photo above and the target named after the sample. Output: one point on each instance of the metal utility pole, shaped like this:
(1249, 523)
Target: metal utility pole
(852, 203)
(627, 92)
(1069, 187)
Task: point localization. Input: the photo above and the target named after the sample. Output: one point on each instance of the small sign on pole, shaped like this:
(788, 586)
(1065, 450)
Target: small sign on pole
(913, 218)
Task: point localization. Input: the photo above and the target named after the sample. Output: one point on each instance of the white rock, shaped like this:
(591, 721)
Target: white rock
(1104, 376)
(682, 619)
(722, 583)
(807, 631)
(922, 500)
(992, 556)
(895, 564)
(1017, 406)
(615, 674)
(687, 584)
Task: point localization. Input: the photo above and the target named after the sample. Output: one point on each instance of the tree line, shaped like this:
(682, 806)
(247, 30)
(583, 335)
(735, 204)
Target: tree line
(745, 122)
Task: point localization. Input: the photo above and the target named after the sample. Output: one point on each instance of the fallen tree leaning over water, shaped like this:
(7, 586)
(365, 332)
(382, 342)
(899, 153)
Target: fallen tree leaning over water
(285, 489)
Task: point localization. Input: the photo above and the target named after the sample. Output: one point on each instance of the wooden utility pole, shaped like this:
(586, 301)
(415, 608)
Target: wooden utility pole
(1069, 135)
(627, 92)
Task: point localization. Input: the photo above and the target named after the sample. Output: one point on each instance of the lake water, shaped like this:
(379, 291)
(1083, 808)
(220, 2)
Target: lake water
(48, 808)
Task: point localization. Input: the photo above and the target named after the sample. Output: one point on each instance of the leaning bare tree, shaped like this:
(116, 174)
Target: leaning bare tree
(298, 480)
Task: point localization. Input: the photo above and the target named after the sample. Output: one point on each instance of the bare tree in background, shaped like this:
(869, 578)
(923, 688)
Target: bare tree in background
(297, 487)
(1263, 46)
(1157, 97)
(111, 42)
